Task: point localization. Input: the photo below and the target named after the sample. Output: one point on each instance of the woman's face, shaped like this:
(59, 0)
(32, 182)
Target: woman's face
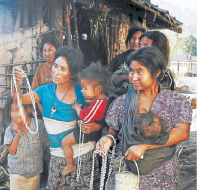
(145, 41)
(140, 76)
(60, 71)
(135, 39)
(49, 52)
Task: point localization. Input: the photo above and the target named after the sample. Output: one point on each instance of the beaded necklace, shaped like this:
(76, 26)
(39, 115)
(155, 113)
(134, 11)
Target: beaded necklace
(104, 166)
(54, 110)
(19, 102)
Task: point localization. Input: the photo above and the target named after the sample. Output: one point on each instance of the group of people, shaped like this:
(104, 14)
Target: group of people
(132, 97)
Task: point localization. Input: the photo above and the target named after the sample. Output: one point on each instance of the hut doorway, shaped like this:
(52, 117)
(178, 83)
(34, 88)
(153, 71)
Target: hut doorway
(93, 49)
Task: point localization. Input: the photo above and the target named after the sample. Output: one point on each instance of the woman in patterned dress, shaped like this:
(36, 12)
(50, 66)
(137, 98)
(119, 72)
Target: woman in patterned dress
(60, 119)
(168, 123)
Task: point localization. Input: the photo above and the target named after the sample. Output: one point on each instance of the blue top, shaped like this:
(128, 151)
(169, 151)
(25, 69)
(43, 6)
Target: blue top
(65, 112)
(63, 120)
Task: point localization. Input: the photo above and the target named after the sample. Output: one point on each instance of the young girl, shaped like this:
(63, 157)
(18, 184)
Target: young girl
(96, 86)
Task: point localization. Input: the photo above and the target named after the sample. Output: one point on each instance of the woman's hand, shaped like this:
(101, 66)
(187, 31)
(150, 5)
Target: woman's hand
(89, 127)
(104, 144)
(18, 74)
(135, 152)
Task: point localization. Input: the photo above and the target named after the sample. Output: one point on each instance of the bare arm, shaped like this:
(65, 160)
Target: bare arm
(26, 98)
(46, 144)
(14, 145)
(77, 107)
(178, 134)
(106, 142)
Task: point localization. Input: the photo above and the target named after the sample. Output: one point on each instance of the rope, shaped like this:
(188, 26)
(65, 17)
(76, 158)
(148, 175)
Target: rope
(19, 103)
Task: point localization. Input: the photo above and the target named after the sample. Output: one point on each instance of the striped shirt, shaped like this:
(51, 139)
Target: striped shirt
(28, 158)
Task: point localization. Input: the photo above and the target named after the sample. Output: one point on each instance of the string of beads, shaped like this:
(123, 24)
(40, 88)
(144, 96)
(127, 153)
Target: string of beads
(19, 103)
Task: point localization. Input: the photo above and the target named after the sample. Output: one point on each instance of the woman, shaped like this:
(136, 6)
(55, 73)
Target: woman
(157, 143)
(159, 40)
(131, 42)
(48, 47)
(42, 76)
(60, 118)
(120, 75)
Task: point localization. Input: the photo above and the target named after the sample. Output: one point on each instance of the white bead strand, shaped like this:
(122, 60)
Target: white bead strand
(19, 103)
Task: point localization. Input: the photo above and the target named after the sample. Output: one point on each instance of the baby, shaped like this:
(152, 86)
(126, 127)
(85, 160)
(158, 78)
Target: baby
(149, 125)
(96, 85)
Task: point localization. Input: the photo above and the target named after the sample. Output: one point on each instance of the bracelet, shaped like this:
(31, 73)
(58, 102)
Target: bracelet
(112, 137)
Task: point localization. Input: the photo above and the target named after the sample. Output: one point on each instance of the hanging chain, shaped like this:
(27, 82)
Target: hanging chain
(104, 165)
(81, 140)
(19, 103)
(103, 169)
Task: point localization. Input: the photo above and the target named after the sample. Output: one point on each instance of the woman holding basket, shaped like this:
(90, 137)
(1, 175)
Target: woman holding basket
(148, 121)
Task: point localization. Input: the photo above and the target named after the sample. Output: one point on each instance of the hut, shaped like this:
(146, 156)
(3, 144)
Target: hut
(98, 27)
(185, 64)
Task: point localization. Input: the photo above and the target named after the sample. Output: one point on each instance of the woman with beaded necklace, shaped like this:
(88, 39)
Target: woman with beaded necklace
(60, 118)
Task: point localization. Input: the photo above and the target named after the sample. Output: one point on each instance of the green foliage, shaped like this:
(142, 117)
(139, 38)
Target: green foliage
(190, 45)
(182, 44)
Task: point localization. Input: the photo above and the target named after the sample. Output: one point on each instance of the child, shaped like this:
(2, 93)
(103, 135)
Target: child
(96, 87)
(150, 126)
(25, 151)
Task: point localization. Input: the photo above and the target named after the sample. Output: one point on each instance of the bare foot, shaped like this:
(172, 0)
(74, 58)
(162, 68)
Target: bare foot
(68, 169)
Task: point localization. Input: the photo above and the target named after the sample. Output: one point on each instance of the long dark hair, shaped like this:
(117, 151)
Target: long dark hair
(151, 58)
(132, 31)
(49, 38)
(73, 56)
(160, 41)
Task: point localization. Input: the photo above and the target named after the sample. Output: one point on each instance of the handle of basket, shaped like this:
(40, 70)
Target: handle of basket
(130, 172)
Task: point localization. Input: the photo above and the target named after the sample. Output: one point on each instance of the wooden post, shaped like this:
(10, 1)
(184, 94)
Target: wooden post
(111, 36)
(67, 24)
(19, 16)
(75, 24)
(33, 12)
(55, 18)
(25, 14)
(39, 11)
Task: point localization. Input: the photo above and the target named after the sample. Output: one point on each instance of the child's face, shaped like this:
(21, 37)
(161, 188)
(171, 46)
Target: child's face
(91, 89)
(16, 115)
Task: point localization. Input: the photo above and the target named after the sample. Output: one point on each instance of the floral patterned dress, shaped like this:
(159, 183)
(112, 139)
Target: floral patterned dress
(169, 105)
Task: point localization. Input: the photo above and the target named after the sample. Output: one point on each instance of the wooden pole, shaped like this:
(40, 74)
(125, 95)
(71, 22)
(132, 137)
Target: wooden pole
(25, 14)
(39, 11)
(55, 18)
(19, 16)
(75, 24)
(67, 24)
(33, 12)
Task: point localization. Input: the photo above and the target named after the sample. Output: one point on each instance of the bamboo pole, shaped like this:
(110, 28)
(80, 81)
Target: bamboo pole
(19, 16)
(25, 14)
(39, 11)
(75, 24)
(67, 25)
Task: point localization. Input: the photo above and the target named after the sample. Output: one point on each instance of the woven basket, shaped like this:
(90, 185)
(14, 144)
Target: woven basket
(126, 180)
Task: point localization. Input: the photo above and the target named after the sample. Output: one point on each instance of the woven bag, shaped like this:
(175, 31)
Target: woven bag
(126, 180)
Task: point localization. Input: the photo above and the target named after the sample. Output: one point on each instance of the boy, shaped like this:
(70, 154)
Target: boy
(25, 151)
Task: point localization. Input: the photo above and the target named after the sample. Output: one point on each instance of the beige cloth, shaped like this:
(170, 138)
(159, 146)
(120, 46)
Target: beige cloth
(19, 182)
(42, 76)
